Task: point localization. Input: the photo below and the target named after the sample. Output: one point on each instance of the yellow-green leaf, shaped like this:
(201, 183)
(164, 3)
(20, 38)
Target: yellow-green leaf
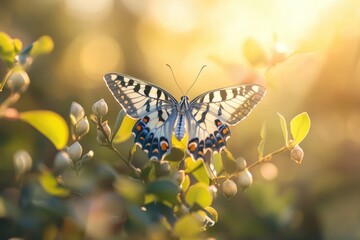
(50, 124)
(43, 45)
(218, 163)
(299, 127)
(7, 49)
(179, 144)
(188, 227)
(125, 130)
(199, 194)
(17, 45)
(213, 212)
(284, 129)
(51, 186)
(185, 183)
(197, 169)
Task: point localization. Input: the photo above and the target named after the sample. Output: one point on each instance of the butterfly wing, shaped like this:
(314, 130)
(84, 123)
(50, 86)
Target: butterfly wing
(154, 107)
(212, 112)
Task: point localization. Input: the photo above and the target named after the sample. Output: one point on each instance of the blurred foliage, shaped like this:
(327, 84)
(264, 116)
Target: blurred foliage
(308, 54)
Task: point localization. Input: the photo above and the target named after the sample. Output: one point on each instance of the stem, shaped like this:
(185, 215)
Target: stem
(268, 157)
(12, 99)
(111, 146)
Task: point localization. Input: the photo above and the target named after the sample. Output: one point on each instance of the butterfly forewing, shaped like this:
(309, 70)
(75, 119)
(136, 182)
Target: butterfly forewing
(154, 107)
(138, 98)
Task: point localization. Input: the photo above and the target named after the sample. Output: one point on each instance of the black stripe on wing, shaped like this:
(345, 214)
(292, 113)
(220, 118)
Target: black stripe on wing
(211, 112)
(138, 98)
(230, 105)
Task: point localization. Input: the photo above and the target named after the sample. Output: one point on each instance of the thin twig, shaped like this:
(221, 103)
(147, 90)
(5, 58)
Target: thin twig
(268, 157)
(12, 99)
(111, 146)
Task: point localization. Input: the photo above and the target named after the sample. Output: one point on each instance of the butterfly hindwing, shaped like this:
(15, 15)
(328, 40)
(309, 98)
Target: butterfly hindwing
(211, 112)
(154, 107)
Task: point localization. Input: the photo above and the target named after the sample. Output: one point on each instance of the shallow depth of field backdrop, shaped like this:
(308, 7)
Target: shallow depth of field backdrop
(320, 75)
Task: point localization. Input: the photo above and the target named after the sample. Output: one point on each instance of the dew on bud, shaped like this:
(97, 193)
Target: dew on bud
(22, 162)
(245, 179)
(62, 162)
(100, 108)
(82, 127)
(18, 81)
(297, 154)
(75, 151)
(229, 188)
(77, 113)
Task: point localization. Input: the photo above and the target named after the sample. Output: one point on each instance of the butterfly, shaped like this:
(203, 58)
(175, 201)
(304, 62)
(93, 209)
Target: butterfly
(205, 119)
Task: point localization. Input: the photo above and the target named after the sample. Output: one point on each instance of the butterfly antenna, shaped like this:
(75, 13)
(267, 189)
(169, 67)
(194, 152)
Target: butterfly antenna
(195, 79)
(175, 78)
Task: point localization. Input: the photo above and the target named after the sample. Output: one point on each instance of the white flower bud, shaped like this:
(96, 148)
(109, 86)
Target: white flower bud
(240, 163)
(76, 113)
(297, 154)
(22, 162)
(100, 108)
(245, 179)
(62, 162)
(229, 188)
(82, 127)
(75, 151)
(18, 81)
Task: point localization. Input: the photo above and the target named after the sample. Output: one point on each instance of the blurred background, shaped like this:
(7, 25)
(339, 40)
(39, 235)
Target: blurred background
(310, 53)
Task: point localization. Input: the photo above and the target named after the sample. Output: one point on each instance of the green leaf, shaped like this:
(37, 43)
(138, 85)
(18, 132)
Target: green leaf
(7, 49)
(119, 120)
(179, 144)
(188, 227)
(185, 183)
(299, 127)
(51, 186)
(197, 169)
(212, 212)
(229, 162)
(262, 141)
(199, 194)
(50, 124)
(43, 45)
(130, 189)
(125, 130)
(218, 163)
(176, 154)
(253, 52)
(164, 190)
(284, 129)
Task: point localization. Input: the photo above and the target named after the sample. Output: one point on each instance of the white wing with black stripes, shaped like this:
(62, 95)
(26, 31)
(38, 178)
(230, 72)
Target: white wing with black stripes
(154, 107)
(211, 112)
(206, 117)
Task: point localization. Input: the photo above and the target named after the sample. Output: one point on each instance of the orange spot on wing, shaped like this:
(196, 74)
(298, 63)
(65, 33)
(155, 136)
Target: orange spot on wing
(224, 131)
(192, 147)
(164, 146)
(138, 127)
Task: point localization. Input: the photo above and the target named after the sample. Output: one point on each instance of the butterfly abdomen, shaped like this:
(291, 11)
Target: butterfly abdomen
(179, 129)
